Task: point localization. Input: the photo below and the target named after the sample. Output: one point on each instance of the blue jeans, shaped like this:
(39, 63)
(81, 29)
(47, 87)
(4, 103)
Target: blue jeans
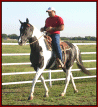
(56, 45)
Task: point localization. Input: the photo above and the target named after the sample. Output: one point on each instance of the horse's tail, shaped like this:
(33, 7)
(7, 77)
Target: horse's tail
(80, 63)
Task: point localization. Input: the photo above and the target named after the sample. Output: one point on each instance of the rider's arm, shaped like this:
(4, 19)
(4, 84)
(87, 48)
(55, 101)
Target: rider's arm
(60, 28)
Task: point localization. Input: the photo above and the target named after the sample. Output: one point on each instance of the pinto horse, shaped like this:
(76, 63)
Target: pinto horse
(41, 57)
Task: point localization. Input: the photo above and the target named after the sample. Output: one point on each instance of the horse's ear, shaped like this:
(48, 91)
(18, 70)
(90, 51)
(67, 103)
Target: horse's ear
(20, 21)
(27, 20)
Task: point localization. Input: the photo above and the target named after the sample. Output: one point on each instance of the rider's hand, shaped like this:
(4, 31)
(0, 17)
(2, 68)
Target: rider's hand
(49, 28)
(42, 29)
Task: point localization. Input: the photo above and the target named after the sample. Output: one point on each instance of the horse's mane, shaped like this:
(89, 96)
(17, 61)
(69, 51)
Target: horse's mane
(36, 32)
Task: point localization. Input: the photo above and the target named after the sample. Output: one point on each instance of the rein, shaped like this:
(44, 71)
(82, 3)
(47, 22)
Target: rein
(36, 40)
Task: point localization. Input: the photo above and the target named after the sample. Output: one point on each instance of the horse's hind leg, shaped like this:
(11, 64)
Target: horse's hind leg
(46, 89)
(67, 80)
(74, 86)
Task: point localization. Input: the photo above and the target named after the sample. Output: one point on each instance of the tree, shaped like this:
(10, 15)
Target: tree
(87, 37)
(13, 36)
(4, 36)
(93, 38)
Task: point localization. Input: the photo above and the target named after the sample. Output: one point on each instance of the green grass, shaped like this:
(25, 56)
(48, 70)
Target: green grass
(17, 68)
(18, 94)
(87, 48)
(26, 49)
(14, 59)
(15, 49)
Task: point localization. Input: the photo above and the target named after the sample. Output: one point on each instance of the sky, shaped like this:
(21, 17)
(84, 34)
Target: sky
(79, 17)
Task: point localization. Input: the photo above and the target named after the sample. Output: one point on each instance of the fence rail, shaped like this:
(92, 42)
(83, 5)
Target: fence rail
(49, 71)
(19, 54)
(47, 80)
(28, 43)
(33, 72)
(29, 63)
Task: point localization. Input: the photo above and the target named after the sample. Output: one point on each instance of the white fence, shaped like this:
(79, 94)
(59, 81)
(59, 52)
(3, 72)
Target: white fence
(49, 71)
(73, 43)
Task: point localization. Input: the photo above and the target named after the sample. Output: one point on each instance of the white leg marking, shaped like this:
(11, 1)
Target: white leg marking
(67, 80)
(74, 86)
(45, 86)
(38, 73)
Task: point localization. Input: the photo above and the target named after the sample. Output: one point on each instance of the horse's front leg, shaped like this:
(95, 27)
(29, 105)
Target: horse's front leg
(38, 73)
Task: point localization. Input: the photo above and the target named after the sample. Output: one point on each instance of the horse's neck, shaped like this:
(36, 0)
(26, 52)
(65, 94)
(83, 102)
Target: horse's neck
(36, 33)
(40, 38)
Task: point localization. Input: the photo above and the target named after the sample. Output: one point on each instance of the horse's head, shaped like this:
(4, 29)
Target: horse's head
(26, 31)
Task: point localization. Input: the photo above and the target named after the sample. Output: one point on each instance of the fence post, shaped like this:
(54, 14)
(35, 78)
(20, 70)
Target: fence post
(50, 82)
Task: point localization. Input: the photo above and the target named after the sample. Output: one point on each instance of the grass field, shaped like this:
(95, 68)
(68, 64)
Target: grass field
(18, 94)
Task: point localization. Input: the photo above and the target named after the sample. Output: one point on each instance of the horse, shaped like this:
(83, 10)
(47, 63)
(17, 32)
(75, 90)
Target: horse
(41, 57)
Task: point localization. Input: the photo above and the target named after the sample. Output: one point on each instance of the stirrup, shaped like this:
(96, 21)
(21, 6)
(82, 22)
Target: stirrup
(62, 65)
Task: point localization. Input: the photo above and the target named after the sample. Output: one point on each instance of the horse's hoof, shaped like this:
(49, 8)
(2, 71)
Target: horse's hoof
(76, 91)
(62, 94)
(30, 98)
(46, 95)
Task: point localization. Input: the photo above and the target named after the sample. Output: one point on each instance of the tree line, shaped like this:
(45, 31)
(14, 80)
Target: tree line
(90, 38)
(11, 36)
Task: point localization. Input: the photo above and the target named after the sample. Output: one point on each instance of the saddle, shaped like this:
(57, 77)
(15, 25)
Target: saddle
(48, 41)
(64, 46)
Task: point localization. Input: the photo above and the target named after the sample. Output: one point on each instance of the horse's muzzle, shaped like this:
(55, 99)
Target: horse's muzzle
(20, 41)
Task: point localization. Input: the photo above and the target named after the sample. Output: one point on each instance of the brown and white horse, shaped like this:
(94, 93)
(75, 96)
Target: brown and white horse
(40, 56)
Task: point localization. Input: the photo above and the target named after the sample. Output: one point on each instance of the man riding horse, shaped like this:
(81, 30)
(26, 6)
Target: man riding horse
(41, 57)
(53, 25)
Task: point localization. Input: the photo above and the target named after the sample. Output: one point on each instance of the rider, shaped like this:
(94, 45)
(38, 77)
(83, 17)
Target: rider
(53, 25)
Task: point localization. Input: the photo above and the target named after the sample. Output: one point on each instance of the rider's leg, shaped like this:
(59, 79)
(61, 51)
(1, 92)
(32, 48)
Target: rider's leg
(56, 47)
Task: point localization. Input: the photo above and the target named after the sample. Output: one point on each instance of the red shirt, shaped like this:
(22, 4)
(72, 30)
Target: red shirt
(55, 21)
